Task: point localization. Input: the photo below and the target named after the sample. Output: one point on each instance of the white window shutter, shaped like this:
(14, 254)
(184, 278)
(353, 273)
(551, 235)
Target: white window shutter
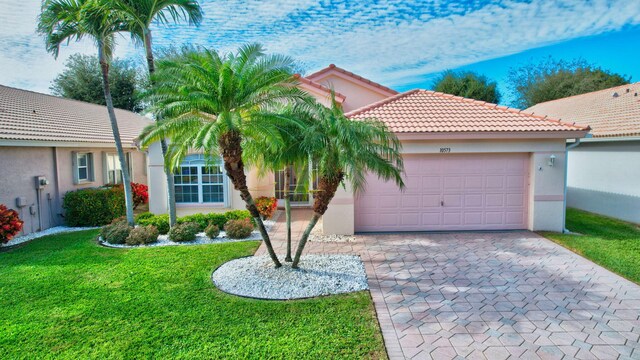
(74, 167)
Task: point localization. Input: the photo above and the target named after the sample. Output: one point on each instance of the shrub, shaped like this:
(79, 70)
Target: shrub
(143, 235)
(183, 232)
(10, 224)
(140, 194)
(266, 206)
(237, 215)
(116, 233)
(94, 206)
(199, 219)
(218, 219)
(239, 229)
(212, 231)
(161, 222)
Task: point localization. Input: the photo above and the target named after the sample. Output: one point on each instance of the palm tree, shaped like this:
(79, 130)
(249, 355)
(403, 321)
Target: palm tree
(62, 21)
(219, 103)
(292, 158)
(346, 150)
(140, 14)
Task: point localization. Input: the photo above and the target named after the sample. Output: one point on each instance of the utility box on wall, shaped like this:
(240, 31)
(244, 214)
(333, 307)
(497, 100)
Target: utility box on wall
(41, 182)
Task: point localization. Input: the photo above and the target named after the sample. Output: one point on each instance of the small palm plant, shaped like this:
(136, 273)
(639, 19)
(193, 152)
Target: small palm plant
(291, 157)
(139, 14)
(217, 104)
(62, 21)
(346, 150)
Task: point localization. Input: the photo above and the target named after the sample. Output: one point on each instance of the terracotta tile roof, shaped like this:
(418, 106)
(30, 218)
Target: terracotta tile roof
(31, 116)
(319, 86)
(423, 111)
(332, 67)
(606, 114)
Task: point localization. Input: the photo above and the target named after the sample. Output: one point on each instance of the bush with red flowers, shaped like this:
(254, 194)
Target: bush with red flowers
(10, 224)
(267, 206)
(140, 194)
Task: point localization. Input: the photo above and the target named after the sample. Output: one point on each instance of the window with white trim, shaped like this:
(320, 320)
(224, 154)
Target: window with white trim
(114, 170)
(200, 181)
(83, 166)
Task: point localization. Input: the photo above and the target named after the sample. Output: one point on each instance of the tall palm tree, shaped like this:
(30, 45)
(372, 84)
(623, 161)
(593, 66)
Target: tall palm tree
(140, 14)
(217, 104)
(346, 150)
(62, 21)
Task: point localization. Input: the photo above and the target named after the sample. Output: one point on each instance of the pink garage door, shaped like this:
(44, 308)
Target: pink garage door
(449, 192)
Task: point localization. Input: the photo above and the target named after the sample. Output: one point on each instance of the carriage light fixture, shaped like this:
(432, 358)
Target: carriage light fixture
(552, 160)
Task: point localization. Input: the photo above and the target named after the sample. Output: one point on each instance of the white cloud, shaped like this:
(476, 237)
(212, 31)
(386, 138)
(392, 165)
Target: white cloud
(394, 42)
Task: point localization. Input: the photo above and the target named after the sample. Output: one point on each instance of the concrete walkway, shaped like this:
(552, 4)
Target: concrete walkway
(505, 295)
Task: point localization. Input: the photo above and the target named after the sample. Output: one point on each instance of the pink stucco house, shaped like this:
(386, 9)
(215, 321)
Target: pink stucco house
(66, 142)
(469, 165)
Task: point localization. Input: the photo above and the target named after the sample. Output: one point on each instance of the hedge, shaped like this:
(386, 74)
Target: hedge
(93, 206)
(203, 220)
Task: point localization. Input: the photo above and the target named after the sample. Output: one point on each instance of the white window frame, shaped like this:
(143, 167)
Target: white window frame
(199, 162)
(86, 167)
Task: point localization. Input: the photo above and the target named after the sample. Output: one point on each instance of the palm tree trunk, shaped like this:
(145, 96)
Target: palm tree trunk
(128, 197)
(171, 196)
(327, 188)
(287, 210)
(231, 149)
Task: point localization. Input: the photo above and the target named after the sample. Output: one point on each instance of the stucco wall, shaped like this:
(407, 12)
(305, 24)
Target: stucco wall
(357, 96)
(19, 167)
(604, 178)
(21, 164)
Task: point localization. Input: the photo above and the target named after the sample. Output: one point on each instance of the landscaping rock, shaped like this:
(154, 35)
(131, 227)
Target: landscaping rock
(318, 275)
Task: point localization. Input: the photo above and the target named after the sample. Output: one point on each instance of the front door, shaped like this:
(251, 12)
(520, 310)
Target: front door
(299, 198)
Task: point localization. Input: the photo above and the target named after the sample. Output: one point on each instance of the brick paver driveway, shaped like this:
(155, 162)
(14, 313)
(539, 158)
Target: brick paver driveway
(491, 295)
(498, 296)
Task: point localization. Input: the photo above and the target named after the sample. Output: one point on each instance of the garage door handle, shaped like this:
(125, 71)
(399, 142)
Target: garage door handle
(441, 202)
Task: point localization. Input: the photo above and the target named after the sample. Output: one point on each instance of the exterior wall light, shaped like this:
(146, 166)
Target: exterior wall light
(552, 161)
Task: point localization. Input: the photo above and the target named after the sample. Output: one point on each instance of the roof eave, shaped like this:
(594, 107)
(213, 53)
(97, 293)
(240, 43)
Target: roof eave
(567, 134)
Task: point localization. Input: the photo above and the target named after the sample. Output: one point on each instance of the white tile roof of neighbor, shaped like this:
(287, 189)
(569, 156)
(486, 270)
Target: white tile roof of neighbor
(610, 113)
(31, 116)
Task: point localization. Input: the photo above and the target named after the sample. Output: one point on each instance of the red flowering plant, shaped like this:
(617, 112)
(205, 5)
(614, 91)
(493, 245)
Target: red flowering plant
(10, 224)
(140, 194)
(266, 206)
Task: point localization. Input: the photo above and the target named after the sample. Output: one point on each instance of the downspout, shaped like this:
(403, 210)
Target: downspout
(566, 181)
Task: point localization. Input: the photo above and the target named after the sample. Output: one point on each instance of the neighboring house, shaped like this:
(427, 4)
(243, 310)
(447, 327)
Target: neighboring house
(469, 165)
(604, 171)
(66, 142)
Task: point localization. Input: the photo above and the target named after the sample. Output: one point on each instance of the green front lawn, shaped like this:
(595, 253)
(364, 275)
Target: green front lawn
(611, 243)
(66, 297)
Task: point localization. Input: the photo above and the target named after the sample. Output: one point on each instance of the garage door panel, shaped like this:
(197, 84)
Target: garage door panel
(493, 200)
(431, 184)
(452, 200)
(494, 182)
(410, 202)
(431, 201)
(451, 218)
(478, 191)
(473, 218)
(473, 200)
(494, 218)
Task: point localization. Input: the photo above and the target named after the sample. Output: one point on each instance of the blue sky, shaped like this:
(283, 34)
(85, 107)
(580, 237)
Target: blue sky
(401, 44)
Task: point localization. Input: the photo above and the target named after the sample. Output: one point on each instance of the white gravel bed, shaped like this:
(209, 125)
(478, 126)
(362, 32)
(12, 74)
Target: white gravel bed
(49, 231)
(318, 275)
(201, 239)
(332, 238)
(317, 236)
